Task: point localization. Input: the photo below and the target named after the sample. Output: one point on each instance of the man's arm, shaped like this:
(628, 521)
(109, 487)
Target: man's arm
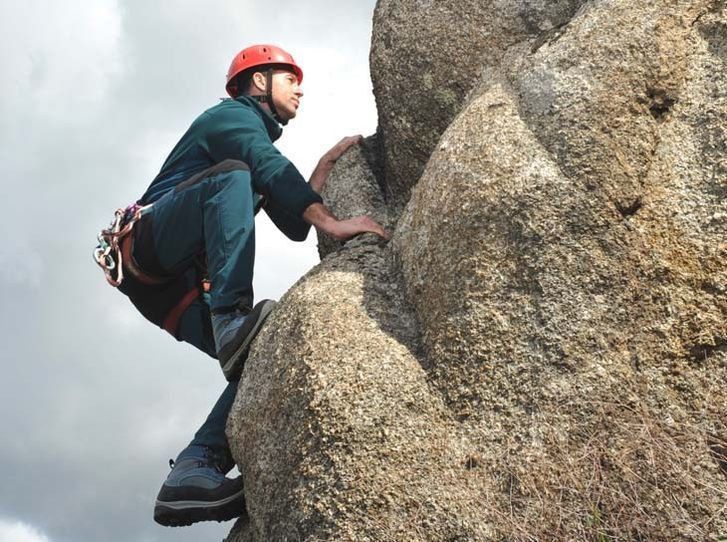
(241, 135)
(323, 219)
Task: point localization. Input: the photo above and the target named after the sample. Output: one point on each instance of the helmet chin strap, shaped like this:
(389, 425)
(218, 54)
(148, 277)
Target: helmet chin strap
(268, 98)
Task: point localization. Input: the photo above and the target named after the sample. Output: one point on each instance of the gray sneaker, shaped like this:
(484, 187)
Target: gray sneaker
(233, 334)
(197, 490)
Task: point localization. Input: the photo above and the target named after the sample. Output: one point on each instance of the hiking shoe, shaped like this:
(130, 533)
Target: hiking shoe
(196, 490)
(234, 331)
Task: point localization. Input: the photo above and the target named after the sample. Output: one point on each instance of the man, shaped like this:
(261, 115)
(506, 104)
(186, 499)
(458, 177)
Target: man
(196, 221)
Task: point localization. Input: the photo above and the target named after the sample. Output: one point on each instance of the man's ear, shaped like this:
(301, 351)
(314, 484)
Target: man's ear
(260, 81)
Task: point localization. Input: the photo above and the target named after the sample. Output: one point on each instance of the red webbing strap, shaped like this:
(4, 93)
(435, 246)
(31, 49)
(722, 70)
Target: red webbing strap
(171, 321)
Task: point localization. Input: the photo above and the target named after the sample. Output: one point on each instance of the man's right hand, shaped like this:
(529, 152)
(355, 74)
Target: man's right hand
(323, 219)
(345, 229)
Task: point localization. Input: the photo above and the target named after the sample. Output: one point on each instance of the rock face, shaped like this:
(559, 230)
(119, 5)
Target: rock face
(426, 55)
(539, 354)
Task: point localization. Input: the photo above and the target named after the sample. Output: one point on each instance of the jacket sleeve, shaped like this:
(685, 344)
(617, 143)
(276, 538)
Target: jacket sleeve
(241, 135)
(294, 228)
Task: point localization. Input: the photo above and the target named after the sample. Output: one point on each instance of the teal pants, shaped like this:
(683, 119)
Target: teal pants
(212, 213)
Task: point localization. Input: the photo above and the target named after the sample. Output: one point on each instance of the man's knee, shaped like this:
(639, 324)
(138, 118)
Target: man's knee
(235, 176)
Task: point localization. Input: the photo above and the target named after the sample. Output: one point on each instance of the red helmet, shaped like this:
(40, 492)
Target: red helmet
(259, 55)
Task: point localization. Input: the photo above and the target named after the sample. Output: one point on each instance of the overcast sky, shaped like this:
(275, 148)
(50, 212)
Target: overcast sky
(94, 399)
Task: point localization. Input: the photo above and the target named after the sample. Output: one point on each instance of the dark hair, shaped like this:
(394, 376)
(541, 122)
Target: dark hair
(243, 82)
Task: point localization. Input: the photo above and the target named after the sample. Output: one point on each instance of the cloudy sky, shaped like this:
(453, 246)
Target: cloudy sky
(95, 400)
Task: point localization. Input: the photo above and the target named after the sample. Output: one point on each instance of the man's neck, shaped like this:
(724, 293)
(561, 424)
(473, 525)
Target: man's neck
(264, 105)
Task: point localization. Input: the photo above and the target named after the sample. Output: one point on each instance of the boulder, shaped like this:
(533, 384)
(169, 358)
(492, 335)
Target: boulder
(335, 429)
(427, 55)
(539, 353)
(354, 189)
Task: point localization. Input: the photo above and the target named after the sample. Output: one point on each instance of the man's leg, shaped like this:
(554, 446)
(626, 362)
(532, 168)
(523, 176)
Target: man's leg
(196, 329)
(212, 212)
(197, 489)
(212, 432)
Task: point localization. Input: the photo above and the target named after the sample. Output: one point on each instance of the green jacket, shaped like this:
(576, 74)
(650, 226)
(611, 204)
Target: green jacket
(241, 129)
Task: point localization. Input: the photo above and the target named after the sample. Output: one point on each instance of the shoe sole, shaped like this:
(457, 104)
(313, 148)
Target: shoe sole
(184, 513)
(230, 367)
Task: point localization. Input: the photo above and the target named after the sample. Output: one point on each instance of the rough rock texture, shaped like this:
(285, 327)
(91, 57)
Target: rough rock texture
(357, 192)
(335, 426)
(426, 55)
(540, 353)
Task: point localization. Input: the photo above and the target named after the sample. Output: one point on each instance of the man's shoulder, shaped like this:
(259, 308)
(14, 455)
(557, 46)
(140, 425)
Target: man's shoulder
(229, 110)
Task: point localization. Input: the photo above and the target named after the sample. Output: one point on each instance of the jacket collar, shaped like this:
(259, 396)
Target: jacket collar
(274, 129)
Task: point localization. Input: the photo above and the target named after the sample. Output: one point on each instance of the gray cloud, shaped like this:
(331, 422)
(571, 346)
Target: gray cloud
(94, 95)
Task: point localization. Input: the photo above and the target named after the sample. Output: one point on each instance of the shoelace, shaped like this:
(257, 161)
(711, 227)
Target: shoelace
(215, 463)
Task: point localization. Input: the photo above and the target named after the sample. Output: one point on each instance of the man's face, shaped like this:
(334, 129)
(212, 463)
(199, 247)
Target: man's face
(286, 93)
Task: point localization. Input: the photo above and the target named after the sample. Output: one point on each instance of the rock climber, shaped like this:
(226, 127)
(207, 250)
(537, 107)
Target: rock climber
(184, 253)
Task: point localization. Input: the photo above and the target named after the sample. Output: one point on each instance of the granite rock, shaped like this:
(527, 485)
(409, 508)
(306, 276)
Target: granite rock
(539, 353)
(427, 55)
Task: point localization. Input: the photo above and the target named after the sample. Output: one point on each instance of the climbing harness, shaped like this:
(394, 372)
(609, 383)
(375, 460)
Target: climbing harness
(110, 254)
(114, 254)
(171, 320)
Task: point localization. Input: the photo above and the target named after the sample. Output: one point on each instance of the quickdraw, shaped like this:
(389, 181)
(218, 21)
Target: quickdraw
(108, 253)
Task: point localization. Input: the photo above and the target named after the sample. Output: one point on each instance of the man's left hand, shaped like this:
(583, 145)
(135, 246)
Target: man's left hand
(325, 164)
(340, 148)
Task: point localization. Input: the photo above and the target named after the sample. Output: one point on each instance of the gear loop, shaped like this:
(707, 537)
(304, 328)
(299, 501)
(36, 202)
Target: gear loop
(109, 242)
